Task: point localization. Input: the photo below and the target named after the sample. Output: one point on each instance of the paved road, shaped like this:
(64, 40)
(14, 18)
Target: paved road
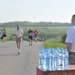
(24, 64)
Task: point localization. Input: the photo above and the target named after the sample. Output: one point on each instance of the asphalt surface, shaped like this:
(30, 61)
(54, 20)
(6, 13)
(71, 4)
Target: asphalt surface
(24, 64)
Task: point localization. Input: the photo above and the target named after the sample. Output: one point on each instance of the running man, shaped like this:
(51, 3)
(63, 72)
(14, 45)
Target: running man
(36, 35)
(1, 36)
(4, 34)
(18, 34)
(30, 34)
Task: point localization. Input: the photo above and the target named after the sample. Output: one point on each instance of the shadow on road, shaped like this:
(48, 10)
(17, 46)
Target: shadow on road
(6, 46)
(11, 54)
(11, 46)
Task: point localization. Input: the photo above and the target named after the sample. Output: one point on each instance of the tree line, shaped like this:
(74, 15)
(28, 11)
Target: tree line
(33, 24)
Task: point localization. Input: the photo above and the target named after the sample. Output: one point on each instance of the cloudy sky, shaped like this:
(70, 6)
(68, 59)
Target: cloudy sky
(37, 10)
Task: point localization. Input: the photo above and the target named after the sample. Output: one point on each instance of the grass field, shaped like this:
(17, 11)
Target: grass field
(41, 29)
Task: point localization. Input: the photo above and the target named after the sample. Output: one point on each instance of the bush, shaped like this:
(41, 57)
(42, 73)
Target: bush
(10, 38)
(63, 38)
(54, 45)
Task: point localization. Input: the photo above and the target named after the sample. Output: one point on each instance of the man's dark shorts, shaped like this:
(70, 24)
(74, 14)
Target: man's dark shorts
(31, 37)
(71, 58)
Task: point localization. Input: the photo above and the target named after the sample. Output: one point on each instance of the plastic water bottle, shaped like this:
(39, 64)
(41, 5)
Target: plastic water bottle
(54, 59)
(50, 55)
(59, 58)
(47, 60)
(41, 58)
(62, 59)
(65, 59)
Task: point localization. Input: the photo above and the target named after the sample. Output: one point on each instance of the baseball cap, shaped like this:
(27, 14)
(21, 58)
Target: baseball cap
(18, 26)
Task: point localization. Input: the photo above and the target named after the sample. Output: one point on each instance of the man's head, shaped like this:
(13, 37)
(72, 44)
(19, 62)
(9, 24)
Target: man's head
(73, 20)
(18, 27)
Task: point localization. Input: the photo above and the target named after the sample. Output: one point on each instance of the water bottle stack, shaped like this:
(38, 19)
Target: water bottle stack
(53, 59)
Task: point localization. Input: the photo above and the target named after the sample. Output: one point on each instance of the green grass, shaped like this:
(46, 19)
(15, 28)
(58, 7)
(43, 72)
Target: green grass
(51, 33)
(54, 45)
(49, 30)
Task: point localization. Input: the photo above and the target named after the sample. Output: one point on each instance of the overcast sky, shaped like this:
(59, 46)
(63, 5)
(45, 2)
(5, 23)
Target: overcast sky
(37, 10)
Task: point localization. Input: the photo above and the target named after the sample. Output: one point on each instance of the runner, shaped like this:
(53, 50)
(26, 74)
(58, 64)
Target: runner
(4, 34)
(1, 36)
(30, 34)
(18, 34)
(36, 35)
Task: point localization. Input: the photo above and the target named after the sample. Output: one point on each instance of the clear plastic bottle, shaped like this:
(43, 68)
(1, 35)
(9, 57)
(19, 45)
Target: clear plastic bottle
(54, 59)
(47, 60)
(50, 54)
(62, 59)
(41, 58)
(65, 59)
(59, 58)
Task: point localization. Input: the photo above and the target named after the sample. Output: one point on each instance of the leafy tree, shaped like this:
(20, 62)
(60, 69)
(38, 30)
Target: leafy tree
(63, 37)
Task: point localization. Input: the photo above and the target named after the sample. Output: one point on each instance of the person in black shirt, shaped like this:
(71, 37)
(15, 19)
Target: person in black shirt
(30, 34)
(1, 36)
(4, 34)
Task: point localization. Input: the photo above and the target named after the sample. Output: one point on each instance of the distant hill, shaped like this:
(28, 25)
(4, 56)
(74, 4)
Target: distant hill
(33, 24)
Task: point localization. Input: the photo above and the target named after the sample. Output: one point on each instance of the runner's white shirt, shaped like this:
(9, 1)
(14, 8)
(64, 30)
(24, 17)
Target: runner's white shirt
(19, 32)
(71, 38)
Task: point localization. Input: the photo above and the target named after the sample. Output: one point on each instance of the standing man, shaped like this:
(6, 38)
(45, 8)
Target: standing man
(36, 35)
(30, 34)
(18, 34)
(70, 40)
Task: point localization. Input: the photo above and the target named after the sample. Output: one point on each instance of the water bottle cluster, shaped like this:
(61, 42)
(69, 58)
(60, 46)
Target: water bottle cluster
(53, 59)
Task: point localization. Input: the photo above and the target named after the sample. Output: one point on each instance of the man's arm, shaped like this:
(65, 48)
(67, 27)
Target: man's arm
(69, 45)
